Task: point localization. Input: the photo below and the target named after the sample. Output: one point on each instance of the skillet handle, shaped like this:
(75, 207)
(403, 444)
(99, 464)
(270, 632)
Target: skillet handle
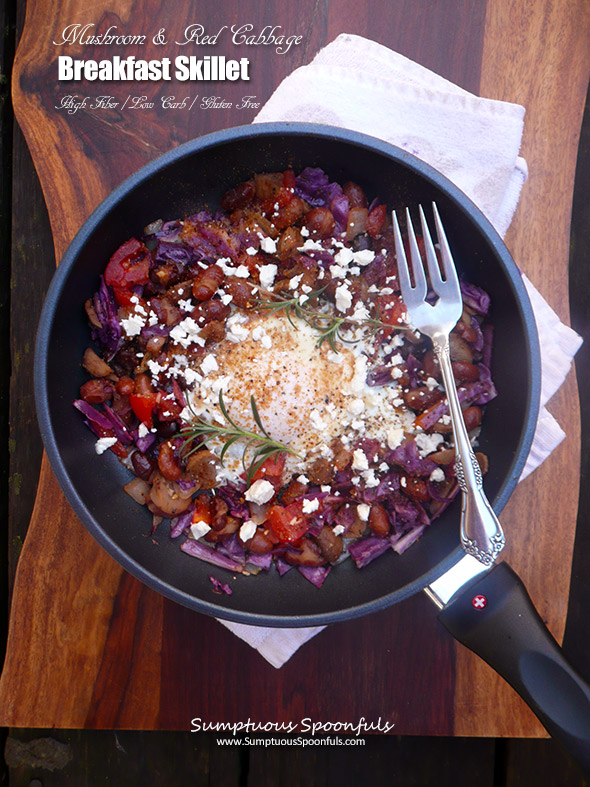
(495, 618)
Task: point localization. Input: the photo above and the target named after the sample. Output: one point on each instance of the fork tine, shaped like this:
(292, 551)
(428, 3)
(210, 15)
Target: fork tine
(431, 258)
(452, 280)
(402, 262)
(421, 288)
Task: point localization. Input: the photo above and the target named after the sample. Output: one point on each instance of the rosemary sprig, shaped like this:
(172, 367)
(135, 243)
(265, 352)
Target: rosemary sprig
(262, 445)
(328, 325)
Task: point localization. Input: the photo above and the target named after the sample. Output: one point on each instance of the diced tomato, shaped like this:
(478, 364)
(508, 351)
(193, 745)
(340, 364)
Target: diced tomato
(129, 266)
(123, 298)
(168, 409)
(376, 220)
(271, 469)
(288, 523)
(392, 310)
(283, 195)
(202, 512)
(143, 407)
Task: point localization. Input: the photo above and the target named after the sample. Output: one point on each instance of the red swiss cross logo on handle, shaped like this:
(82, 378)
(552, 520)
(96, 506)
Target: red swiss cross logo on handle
(479, 602)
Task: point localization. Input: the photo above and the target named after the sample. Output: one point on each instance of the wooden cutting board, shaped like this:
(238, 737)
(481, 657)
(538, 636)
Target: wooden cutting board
(88, 645)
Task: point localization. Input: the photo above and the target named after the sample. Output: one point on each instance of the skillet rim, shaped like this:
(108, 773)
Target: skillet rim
(461, 201)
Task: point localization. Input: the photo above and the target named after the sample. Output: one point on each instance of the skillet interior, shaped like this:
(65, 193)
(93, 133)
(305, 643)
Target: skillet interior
(196, 176)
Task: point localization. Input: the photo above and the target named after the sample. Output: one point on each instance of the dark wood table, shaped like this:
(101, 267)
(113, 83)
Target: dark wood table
(90, 647)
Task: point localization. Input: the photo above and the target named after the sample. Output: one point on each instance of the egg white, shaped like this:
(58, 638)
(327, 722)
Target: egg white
(306, 395)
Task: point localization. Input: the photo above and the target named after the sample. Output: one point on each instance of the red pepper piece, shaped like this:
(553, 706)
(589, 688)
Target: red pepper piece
(143, 407)
(288, 523)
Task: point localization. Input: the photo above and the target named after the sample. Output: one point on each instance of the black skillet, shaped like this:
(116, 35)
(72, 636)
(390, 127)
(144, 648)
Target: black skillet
(194, 176)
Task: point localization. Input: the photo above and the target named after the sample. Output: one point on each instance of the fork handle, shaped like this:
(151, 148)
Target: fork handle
(481, 532)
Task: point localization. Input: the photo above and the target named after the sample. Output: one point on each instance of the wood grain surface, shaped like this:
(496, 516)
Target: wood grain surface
(89, 645)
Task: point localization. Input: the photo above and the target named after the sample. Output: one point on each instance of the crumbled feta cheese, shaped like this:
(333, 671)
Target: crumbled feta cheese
(186, 333)
(226, 298)
(305, 232)
(355, 407)
(428, 443)
(316, 421)
(260, 335)
(242, 271)
(309, 506)
(360, 312)
(251, 251)
(395, 435)
(209, 364)
(133, 324)
(186, 415)
(235, 331)
(268, 245)
(364, 256)
(103, 443)
(437, 475)
(247, 530)
(260, 492)
(191, 376)
(431, 383)
(199, 529)
(343, 298)
(311, 245)
(403, 481)
(294, 282)
(303, 479)
(142, 430)
(186, 306)
(363, 511)
(344, 256)
(338, 530)
(359, 460)
(155, 368)
(337, 272)
(267, 275)
(370, 478)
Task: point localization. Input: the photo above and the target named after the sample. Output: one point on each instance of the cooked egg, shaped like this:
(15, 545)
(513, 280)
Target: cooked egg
(306, 395)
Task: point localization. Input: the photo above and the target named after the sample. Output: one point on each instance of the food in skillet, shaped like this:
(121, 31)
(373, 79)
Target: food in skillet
(255, 370)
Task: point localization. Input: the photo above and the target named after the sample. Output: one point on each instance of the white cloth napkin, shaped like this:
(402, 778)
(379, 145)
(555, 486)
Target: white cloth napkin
(361, 85)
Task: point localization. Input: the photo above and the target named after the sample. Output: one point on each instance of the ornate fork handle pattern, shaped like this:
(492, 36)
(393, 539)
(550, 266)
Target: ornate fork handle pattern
(481, 533)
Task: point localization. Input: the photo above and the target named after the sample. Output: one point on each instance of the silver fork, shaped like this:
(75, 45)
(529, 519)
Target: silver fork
(481, 533)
